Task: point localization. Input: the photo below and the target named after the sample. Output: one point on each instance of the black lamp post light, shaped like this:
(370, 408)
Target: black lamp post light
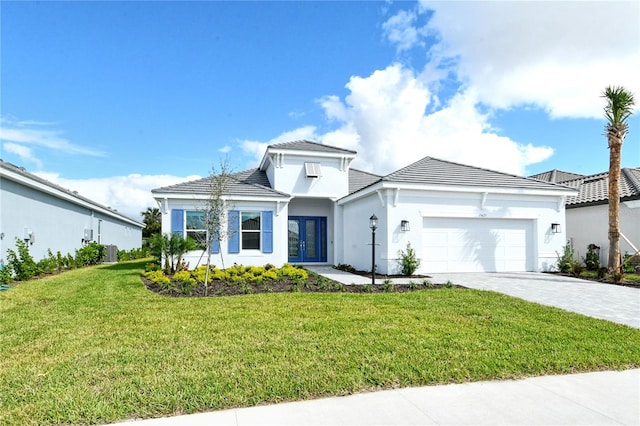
(373, 224)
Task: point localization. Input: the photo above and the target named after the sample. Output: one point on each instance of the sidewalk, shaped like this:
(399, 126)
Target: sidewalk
(603, 398)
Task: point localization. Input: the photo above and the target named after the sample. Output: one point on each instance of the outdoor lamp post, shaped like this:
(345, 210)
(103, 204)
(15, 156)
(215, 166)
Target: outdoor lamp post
(373, 224)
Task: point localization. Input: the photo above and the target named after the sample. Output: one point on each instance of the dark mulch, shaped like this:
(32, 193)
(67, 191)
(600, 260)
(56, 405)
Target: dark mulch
(314, 284)
(623, 282)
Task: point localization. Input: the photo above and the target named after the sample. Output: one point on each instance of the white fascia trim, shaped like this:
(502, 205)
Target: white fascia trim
(634, 204)
(201, 197)
(456, 189)
(298, 153)
(62, 195)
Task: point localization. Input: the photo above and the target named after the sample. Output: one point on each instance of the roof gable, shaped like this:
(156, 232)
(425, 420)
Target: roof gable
(556, 176)
(305, 145)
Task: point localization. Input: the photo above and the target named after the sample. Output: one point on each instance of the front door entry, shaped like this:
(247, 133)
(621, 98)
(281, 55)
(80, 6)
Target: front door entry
(307, 239)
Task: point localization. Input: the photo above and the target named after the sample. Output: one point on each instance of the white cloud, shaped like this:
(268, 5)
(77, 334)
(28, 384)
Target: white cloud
(557, 56)
(225, 149)
(130, 194)
(384, 118)
(23, 152)
(400, 30)
(34, 133)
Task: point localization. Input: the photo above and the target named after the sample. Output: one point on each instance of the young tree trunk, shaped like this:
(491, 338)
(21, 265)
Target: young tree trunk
(615, 147)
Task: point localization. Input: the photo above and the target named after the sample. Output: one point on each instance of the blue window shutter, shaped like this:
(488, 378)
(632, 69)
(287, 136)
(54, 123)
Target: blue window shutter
(177, 221)
(234, 231)
(215, 246)
(267, 231)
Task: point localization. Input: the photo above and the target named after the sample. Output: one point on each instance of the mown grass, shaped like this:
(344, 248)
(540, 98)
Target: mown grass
(94, 346)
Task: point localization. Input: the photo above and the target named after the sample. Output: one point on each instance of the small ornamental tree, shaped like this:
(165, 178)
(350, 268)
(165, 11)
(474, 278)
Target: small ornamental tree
(215, 213)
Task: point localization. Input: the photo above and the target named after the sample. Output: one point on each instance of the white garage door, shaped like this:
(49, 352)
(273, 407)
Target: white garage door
(477, 245)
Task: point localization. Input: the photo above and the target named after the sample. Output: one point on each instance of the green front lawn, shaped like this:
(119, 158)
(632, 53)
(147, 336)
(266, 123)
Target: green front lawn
(94, 346)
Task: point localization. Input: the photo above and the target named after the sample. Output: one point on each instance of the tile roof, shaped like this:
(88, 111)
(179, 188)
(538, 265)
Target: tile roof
(594, 189)
(304, 145)
(556, 176)
(359, 179)
(252, 182)
(432, 171)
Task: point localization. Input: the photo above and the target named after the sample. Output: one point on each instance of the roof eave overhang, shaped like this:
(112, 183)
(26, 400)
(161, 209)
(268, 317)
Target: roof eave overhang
(160, 196)
(302, 153)
(553, 192)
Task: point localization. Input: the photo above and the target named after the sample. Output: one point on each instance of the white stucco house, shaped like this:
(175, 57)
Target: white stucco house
(48, 216)
(305, 204)
(588, 210)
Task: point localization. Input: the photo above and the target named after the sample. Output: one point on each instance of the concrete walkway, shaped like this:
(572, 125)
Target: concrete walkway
(607, 397)
(602, 398)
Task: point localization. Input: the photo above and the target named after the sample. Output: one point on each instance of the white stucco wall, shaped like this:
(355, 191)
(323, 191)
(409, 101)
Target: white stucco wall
(290, 177)
(413, 205)
(590, 225)
(57, 224)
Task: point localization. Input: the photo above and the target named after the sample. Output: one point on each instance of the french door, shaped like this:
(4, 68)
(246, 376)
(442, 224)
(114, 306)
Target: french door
(307, 239)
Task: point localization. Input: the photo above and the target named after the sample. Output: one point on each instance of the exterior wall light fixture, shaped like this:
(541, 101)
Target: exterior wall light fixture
(555, 228)
(404, 226)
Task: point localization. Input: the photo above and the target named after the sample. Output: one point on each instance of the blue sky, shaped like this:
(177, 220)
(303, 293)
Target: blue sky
(113, 99)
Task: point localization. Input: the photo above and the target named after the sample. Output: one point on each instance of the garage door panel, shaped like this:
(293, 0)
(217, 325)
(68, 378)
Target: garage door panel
(477, 245)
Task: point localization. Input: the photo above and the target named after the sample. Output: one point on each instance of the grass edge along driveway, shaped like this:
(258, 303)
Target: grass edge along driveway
(94, 346)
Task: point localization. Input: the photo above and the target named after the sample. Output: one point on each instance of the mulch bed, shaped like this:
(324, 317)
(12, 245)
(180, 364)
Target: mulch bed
(623, 282)
(314, 284)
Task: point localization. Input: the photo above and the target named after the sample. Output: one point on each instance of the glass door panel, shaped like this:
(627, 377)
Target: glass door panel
(310, 246)
(294, 240)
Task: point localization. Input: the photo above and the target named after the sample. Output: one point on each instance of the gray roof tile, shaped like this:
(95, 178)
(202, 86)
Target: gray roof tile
(304, 145)
(252, 182)
(594, 189)
(432, 171)
(359, 179)
(556, 176)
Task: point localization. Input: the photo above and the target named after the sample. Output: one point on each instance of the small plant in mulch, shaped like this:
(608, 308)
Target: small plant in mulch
(245, 280)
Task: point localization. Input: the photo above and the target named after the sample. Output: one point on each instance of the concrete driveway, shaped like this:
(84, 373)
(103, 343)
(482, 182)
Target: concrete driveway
(606, 301)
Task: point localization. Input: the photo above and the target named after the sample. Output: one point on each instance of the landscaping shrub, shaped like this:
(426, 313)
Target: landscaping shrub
(21, 263)
(6, 274)
(157, 277)
(91, 254)
(566, 261)
(409, 263)
(592, 259)
(346, 268)
(293, 272)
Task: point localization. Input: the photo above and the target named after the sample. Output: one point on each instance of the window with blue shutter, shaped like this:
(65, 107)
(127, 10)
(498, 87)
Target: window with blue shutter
(215, 246)
(177, 221)
(234, 231)
(267, 232)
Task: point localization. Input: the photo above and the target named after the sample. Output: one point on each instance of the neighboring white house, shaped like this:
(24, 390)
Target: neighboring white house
(305, 204)
(588, 211)
(48, 216)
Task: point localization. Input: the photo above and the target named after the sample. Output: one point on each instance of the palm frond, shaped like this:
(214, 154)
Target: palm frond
(620, 104)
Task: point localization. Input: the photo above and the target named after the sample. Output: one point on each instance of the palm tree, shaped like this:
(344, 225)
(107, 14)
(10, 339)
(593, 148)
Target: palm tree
(152, 219)
(619, 107)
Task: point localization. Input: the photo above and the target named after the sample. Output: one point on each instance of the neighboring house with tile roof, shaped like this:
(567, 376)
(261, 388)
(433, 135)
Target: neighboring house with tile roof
(305, 204)
(588, 210)
(48, 216)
